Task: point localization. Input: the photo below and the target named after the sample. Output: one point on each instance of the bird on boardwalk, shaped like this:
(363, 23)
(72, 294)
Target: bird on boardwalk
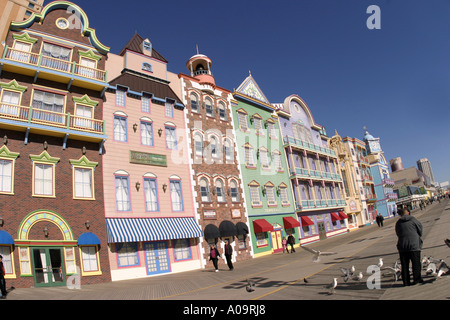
(431, 269)
(380, 263)
(250, 286)
(443, 268)
(317, 253)
(358, 277)
(305, 281)
(348, 273)
(332, 286)
(397, 269)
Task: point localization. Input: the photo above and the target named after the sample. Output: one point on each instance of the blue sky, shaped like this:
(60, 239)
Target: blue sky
(395, 80)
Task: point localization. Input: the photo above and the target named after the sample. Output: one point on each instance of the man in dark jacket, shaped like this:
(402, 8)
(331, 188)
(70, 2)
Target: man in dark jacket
(409, 245)
(2, 279)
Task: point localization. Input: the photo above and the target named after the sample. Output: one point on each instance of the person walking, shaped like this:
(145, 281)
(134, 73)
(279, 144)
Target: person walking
(228, 254)
(214, 256)
(291, 241)
(409, 245)
(381, 219)
(2, 279)
(284, 244)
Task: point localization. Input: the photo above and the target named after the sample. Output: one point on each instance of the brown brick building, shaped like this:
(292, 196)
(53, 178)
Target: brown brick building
(52, 82)
(218, 193)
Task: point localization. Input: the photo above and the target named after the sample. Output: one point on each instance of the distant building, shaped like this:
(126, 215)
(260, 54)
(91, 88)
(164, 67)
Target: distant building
(385, 196)
(396, 164)
(353, 208)
(424, 165)
(16, 10)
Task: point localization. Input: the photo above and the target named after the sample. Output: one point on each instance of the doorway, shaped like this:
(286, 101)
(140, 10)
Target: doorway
(48, 267)
(276, 241)
(322, 231)
(157, 257)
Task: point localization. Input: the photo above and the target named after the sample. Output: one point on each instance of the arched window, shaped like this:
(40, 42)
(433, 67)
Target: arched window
(234, 191)
(213, 147)
(220, 191)
(204, 190)
(228, 149)
(209, 107)
(198, 144)
(222, 111)
(194, 102)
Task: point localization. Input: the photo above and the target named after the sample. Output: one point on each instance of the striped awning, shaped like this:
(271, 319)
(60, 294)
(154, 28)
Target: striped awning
(151, 229)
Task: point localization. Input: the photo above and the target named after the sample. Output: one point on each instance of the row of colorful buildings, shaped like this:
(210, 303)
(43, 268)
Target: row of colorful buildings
(112, 167)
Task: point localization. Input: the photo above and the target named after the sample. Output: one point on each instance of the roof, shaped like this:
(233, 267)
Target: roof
(139, 82)
(135, 44)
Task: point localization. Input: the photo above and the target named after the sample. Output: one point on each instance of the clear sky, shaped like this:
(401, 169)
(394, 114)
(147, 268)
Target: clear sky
(395, 80)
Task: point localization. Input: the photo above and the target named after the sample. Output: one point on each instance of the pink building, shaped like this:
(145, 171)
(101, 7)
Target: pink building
(149, 208)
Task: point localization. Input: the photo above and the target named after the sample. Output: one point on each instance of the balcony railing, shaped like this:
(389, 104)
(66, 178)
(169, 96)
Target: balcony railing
(319, 204)
(388, 182)
(309, 146)
(314, 174)
(50, 118)
(39, 60)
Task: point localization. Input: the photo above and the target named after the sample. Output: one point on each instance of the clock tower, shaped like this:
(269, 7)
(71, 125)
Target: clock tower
(373, 144)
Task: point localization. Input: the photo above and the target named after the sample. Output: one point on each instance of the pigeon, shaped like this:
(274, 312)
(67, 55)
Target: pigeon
(380, 263)
(358, 277)
(431, 269)
(397, 270)
(305, 281)
(250, 287)
(317, 253)
(443, 268)
(332, 286)
(348, 273)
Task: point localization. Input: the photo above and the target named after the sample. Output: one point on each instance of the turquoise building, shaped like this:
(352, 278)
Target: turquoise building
(265, 177)
(379, 169)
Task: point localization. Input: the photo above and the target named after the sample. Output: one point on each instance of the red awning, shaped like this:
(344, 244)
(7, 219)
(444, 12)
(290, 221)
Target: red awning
(335, 216)
(342, 215)
(261, 225)
(290, 223)
(306, 221)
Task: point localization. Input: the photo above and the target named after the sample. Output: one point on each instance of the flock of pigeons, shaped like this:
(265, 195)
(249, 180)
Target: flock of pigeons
(431, 266)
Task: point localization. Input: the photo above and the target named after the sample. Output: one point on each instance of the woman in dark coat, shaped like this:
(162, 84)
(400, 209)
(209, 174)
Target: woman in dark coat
(214, 256)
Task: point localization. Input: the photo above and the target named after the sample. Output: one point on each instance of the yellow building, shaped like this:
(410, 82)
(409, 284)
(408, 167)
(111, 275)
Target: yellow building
(353, 206)
(16, 10)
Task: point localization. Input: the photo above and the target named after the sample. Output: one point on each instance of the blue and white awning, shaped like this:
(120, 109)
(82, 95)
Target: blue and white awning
(151, 229)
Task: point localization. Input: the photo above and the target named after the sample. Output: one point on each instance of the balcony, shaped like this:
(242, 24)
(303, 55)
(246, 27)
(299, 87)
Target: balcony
(388, 182)
(314, 174)
(392, 196)
(371, 198)
(307, 205)
(52, 123)
(44, 67)
(304, 145)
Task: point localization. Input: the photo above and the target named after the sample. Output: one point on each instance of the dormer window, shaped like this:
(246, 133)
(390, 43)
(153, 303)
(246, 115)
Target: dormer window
(147, 47)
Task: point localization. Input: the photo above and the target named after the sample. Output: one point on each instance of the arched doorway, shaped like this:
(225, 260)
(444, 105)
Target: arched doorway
(46, 248)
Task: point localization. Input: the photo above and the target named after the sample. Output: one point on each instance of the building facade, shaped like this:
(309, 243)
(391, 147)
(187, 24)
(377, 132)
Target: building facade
(265, 176)
(16, 10)
(218, 199)
(51, 123)
(383, 184)
(353, 203)
(424, 165)
(149, 207)
(314, 175)
(364, 182)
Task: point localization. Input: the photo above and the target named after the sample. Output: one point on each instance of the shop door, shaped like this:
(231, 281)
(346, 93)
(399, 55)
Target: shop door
(157, 257)
(276, 241)
(48, 267)
(322, 231)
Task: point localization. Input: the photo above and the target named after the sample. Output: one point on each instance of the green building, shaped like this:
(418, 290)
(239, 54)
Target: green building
(265, 175)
